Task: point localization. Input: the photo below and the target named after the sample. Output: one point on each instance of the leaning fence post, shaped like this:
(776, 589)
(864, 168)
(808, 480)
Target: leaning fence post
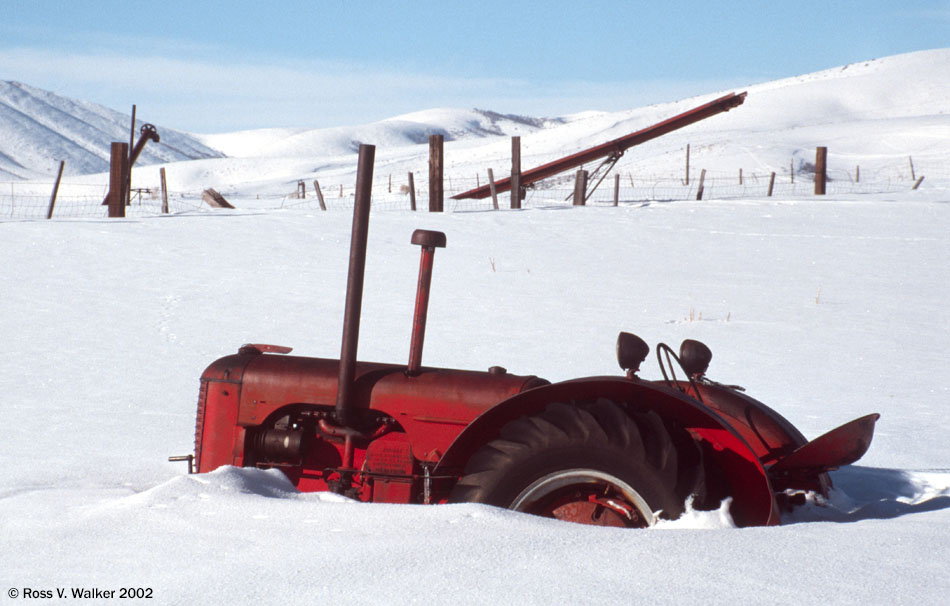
(771, 183)
(52, 198)
(702, 185)
(494, 192)
(918, 182)
(316, 188)
(580, 187)
(412, 192)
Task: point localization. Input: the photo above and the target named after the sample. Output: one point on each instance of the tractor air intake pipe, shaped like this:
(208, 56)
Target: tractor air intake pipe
(429, 241)
(354, 282)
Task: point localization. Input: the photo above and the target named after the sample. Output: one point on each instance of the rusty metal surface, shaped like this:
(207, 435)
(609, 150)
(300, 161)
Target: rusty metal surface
(148, 133)
(770, 435)
(615, 147)
(354, 282)
(432, 407)
(840, 446)
(429, 241)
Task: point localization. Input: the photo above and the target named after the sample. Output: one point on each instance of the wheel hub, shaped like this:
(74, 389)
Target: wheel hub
(585, 496)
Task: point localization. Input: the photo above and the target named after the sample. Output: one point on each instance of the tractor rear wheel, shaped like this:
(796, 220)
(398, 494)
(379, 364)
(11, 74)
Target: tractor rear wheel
(590, 463)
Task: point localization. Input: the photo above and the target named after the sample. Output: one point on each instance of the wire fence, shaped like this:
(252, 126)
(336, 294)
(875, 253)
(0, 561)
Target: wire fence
(392, 192)
(31, 200)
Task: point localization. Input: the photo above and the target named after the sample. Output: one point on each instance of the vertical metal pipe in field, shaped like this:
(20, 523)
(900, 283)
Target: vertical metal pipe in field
(128, 179)
(354, 282)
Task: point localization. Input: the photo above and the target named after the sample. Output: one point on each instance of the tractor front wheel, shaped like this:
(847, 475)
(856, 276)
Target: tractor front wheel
(589, 463)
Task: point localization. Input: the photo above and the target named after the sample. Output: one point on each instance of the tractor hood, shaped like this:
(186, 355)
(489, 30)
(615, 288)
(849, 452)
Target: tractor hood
(431, 406)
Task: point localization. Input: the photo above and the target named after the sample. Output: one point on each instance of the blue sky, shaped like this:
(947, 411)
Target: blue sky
(223, 66)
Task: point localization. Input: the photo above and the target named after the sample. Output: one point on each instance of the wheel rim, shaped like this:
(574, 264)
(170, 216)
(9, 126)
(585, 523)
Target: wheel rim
(585, 496)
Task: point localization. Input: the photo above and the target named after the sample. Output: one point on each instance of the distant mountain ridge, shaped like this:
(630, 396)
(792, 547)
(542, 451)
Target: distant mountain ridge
(871, 113)
(39, 128)
(408, 129)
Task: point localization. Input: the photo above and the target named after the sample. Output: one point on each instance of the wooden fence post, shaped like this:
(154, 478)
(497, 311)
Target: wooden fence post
(702, 185)
(118, 171)
(791, 169)
(918, 182)
(52, 198)
(857, 173)
(494, 192)
(580, 187)
(913, 175)
(687, 164)
(821, 170)
(412, 191)
(771, 183)
(516, 172)
(436, 165)
(740, 176)
(616, 189)
(164, 185)
(319, 192)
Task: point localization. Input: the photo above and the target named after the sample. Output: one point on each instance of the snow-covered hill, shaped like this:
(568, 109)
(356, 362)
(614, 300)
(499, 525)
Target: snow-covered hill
(873, 114)
(39, 128)
(408, 129)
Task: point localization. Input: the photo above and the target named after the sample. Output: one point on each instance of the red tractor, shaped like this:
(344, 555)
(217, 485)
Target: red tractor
(612, 451)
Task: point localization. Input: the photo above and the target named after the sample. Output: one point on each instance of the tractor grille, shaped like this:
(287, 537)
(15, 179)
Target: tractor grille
(200, 421)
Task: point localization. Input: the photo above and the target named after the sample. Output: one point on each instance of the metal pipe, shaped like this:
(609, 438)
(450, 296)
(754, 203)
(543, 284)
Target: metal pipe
(429, 241)
(354, 282)
(615, 147)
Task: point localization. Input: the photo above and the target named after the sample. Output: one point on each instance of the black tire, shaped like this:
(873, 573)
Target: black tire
(593, 463)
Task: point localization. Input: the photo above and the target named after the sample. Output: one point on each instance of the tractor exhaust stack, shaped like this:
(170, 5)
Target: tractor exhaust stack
(429, 241)
(354, 282)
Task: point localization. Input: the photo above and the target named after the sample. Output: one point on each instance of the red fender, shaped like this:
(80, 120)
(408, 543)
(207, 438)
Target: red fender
(753, 499)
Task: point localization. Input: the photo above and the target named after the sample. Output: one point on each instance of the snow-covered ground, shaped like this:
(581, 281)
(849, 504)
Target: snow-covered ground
(824, 308)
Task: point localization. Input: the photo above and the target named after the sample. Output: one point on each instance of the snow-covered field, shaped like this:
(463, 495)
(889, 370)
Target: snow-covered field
(824, 308)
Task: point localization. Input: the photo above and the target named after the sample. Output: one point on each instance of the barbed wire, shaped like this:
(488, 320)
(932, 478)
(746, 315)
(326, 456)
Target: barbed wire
(30, 200)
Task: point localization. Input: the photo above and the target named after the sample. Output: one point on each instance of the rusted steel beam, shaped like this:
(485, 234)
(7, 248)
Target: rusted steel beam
(612, 148)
